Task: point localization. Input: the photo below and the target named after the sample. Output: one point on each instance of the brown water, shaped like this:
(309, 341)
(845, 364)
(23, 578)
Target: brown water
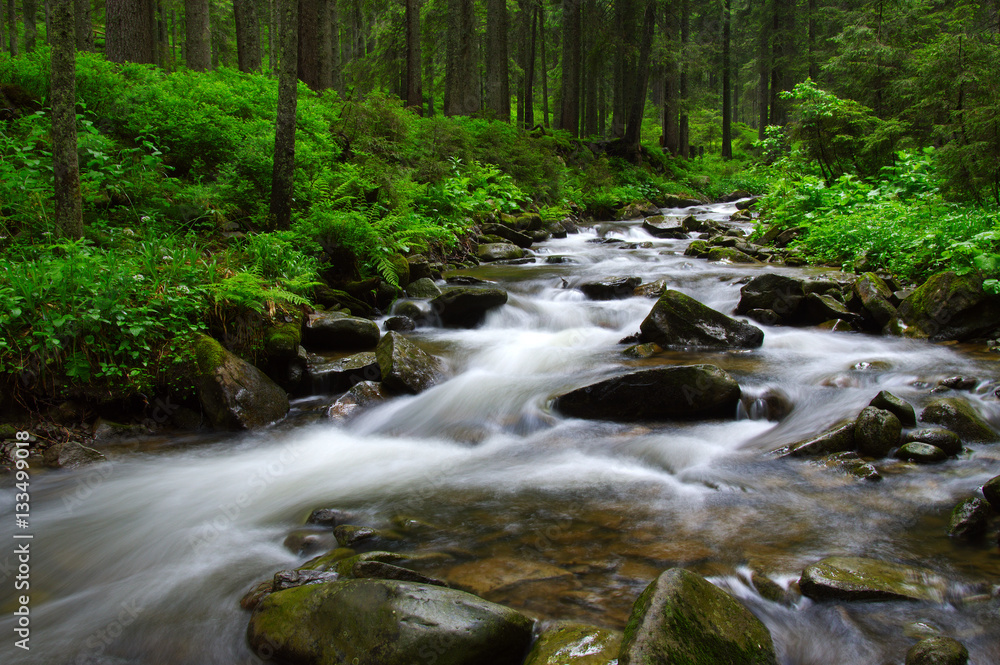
(144, 560)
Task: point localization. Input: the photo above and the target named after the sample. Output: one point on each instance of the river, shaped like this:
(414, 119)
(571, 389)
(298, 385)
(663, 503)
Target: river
(144, 560)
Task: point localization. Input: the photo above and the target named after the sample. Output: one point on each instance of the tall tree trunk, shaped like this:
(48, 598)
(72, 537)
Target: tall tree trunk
(65, 163)
(592, 72)
(414, 87)
(324, 43)
(529, 71)
(461, 85)
(272, 37)
(813, 65)
(336, 63)
(3, 25)
(283, 176)
(29, 11)
(545, 66)
(199, 35)
(640, 82)
(497, 101)
(763, 70)
(727, 88)
(12, 24)
(672, 84)
(129, 35)
(309, 48)
(682, 129)
(84, 29)
(569, 116)
(247, 35)
(429, 77)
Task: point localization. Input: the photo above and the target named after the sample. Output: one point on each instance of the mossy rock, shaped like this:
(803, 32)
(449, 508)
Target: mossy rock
(335, 298)
(466, 306)
(683, 618)
(856, 578)
(969, 519)
(333, 331)
(897, 406)
(876, 432)
(679, 320)
(991, 490)
(282, 340)
(944, 439)
(698, 249)
(947, 306)
(405, 367)
(875, 298)
(233, 393)
(401, 267)
(960, 417)
(567, 643)
(937, 650)
(730, 255)
(499, 251)
(837, 439)
(774, 292)
(386, 622)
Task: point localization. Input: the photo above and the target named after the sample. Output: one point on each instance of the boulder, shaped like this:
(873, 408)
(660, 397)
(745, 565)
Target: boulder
(420, 267)
(957, 415)
(638, 209)
(683, 618)
(334, 376)
(969, 519)
(679, 320)
(876, 432)
(380, 570)
(466, 306)
(921, 453)
(991, 490)
(937, 651)
(400, 323)
(281, 341)
(697, 248)
(361, 396)
(856, 578)
(651, 289)
(334, 331)
(499, 251)
(233, 393)
(71, 455)
(567, 643)
(775, 292)
(944, 439)
(947, 306)
(662, 393)
(817, 309)
(875, 299)
(837, 439)
(405, 367)
(386, 622)
(331, 298)
(692, 224)
(509, 234)
(897, 406)
(610, 289)
(851, 463)
(670, 232)
(730, 255)
(423, 288)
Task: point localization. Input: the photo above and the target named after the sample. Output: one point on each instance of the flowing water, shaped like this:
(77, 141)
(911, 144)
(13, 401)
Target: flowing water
(144, 559)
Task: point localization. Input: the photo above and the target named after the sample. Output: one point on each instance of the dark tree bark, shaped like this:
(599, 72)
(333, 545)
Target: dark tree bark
(309, 48)
(672, 85)
(414, 87)
(84, 29)
(727, 88)
(247, 35)
(529, 70)
(12, 21)
(682, 130)
(591, 76)
(461, 84)
(324, 43)
(198, 49)
(497, 100)
(283, 176)
(29, 11)
(65, 163)
(272, 37)
(129, 35)
(813, 65)
(637, 96)
(429, 77)
(3, 25)
(336, 66)
(569, 116)
(545, 66)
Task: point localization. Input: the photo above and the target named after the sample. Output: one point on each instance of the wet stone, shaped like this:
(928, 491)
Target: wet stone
(856, 578)
(566, 643)
(969, 519)
(876, 432)
(897, 406)
(921, 453)
(991, 490)
(944, 439)
(937, 651)
(960, 417)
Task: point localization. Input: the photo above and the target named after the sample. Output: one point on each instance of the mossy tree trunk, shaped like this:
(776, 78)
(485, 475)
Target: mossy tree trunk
(199, 35)
(66, 168)
(569, 116)
(29, 11)
(283, 176)
(247, 35)
(497, 71)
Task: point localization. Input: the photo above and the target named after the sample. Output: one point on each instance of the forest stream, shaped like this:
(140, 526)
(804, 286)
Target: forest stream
(144, 559)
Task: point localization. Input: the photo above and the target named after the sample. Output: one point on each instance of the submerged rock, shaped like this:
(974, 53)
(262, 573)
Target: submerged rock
(386, 622)
(679, 320)
(837, 439)
(71, 455)
(969, 519)
(958, 415)
(663, 393)
(567, 643)
(856, 578)
(683, 618)
(233, 393)
(405, 367)
(937, 651)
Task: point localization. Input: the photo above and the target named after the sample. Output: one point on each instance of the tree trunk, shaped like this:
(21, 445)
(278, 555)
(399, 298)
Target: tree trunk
(65, 163)
(247, 35)
(309, 47)
(283, 176)
(414, 87)
(461, 85)
(497, 102)
(727, 88)
(529, 71)
(199, 36)
(569, 116)
(129, 35)
(29, 10)
(324, 43)
(545, 66)
(336, 63)
(592, 72)
(763, 69)
(12, 25)
(637, 104)
(272, 37)
(672, 86)
(429, 77)
(682, 130)
(84, 30)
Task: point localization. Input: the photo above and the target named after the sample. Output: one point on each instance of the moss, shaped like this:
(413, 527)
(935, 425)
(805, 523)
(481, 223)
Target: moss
(208, 354)
(283, 340)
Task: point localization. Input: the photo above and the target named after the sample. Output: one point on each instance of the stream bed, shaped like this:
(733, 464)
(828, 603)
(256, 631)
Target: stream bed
(143, 560)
